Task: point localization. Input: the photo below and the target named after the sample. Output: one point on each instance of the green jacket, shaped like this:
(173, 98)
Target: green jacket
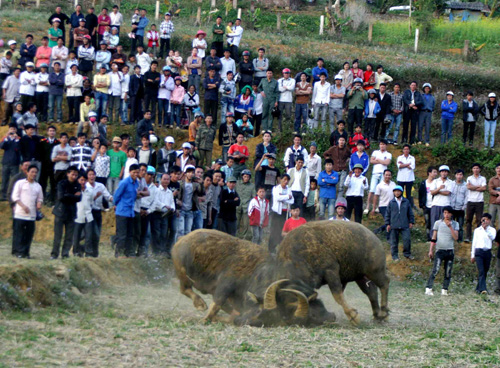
(270, 89)
(357, 98)
(217, 36)
(205, 137)
(246, 192)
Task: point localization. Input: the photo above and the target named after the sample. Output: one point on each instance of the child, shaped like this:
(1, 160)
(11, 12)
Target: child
(294, 221)
(245, 126)
(102, 165)
(258, 213)
(131, 160)
(17, 117)
(5, 66)
(312, 201)
(356, 185)
(229, 29)
(191, 101)
(153, 41)
(106, 36)
(174, 63)
(135, 21)
(340, 208)
(176, 100)
(227, 169)
(72, 60)
(358, 135)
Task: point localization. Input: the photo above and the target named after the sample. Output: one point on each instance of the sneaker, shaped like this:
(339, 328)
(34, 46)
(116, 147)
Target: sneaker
(395, 260)
(444, 292)
(377, 210)
(428, 291)
(484, 292)
(419, 142)
(53, 258)
(295, 132)
(365, 212)
(427, 144)
(411, 258)
(467, 240)
(395, 143)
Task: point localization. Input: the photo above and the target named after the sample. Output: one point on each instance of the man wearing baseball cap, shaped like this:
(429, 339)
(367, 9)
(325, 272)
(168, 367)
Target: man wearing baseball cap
(186, 158)
(286, 86)
(246, 70)
(16, 55)
(336, 105)
(166, 157)
(189, 191)
(399, 220)
(28, 85)
(441, 189)
(229, 200)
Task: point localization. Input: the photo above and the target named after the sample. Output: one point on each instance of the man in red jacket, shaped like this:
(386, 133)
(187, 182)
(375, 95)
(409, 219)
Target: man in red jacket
(258, 212)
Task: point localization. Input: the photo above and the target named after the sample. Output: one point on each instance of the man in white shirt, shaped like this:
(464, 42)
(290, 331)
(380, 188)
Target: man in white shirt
(282, 199)
(425, 198)
(313, 162)
(356, 185)
(481, 251)
(380, 159)
(286, 86)
(162, 221)
(320, 100)
(124, 98)
(143, 59)
(116, 18)
(228, 64)
(99, 192)
(115, 93)
(476, 184)
(441, 191)
(299, 182)
(74, 84)
(28, 84)
(383, 195)
(234, 39)
(406, 172)
(84, 220)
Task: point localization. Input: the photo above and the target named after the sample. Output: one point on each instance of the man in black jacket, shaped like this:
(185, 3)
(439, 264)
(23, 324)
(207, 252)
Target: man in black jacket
(145, 126)
(412, 103)
(229, 200)
(11, 158)
(46, 147)
(151, 86)
(166, 158)
(384, 100)
(470, 110)
(227, 134)
(399, 219)
(68, 194)
(136, 94)
(246, 70)
(29, 146)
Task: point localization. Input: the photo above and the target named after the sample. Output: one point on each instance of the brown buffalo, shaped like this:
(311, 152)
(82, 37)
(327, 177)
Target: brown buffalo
(335, 253)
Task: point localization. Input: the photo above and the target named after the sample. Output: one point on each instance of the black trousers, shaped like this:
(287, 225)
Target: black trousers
(379, 126)
(257, 121)
(159, 233)
(219, 46)
(354, 203)
(47, 175)
(459, 216)
(211, 108)
(73, 109)
(78, 249)
(235, 53)
(354, 117)
(407, 186)
(150, 103)
(68, 226)
(298, 199)
(228, 227)
(137, 41)
(23, 231)
(309, 213)
(483, 262)
(370, 127)
(124, 236)
(164, 46)
(473, 208)
(136, 233)
(277, 223)
(135, 109)
(42, 103)
(469, 129)
(410, 116)
(142, 249)
(443, 257)
(93, 250)
(8, 171)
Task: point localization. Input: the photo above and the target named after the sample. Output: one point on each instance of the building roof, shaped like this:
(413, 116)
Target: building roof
(476, 6)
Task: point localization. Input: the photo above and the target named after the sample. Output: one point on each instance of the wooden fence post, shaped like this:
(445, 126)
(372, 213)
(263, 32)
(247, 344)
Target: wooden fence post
(239, 13)
(465, 51)
(321, 24)
(235, 4)
(370, 32)
(37, 4)
(416, 40)
(278, 21)
(198, 16)
(157, 11)
(213, 4)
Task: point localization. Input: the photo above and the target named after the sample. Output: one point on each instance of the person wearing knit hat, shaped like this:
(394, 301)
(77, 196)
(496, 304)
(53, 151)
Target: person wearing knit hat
(340, 208)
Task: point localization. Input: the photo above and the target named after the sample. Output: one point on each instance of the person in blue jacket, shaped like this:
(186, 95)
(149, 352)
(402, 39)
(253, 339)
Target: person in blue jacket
(372, 108)
(425, 117)
(360, 157)
(448, 110)
(317, 70)
(327, 181)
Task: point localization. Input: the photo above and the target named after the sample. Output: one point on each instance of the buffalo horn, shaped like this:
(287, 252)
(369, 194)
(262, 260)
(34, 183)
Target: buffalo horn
(313, 296)
(303, 304)
(252, 297)
(270, 295)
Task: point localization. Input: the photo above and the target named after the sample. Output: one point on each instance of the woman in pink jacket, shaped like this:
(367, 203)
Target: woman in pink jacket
(176, 101)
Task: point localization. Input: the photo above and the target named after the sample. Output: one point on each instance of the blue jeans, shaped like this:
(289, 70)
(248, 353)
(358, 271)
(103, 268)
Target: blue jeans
(227, 104)
(396, 122)
(185, 223)
(483, 261)
(58, 105)
(446, 127)
(124, 111)
(323, 203)
(489, 133)
(300, 116)
(424, 121)
(176, 114)
(197, 220)
(163, 114)
(101, 101)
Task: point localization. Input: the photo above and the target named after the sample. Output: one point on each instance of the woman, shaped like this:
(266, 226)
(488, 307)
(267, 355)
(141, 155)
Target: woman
(346, 74)
(368, 78)
(55, 32)
(245, 126)
(356, 72)
(86, 56)
(200, 43)
(244, 103)
(490, 111)
(191, 101)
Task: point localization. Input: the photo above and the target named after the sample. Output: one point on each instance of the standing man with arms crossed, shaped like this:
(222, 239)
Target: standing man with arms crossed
(481, 251)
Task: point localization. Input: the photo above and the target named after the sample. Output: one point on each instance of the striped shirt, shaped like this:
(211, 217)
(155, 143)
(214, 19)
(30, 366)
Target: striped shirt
(81, 157)
(397, 101)
(166, 29)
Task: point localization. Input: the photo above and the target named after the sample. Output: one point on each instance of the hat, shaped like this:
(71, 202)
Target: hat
(56, 20)
(229, 113)
(117, 139)
(186, 145)
(168, 13)
(178, 78)
(29, 64)
(201, 32)
(450, 93)
(92, 113)
(103, 43)
(246, 53)
(286, 70)
(198, 114)
(492, 94)
(151, 170)
(166, 67)
(169, 139)
(12, 42)
(82, 20)
(358, 166)
(313, 144)
(219, 161)
(444, 168)
(246, 172)
(372, 91)
(114, 28)
(308, 71)
(358, 80)
(338, 76)
(44, 65)
(341, 202)
(427, 85)
(87, 37)
(190, 167)
(231, 179)
(271, 155)
(398, 187)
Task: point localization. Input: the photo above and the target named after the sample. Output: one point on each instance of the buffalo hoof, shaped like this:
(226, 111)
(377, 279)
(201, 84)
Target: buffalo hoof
(199, 304)
(354, 318)
(381, 317)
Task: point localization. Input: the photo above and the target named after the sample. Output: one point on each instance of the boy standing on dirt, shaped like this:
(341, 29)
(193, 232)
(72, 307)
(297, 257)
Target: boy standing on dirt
(444, 235)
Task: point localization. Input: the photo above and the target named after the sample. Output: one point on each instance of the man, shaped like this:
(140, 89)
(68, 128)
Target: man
(336, 105)
(318, 69)
(117, 160)
(260, 65)
(299, 182)
(91, 23)
(79, 33)
(116, 18)
(166, 30)
(360, 157)
(145, 126)
(441, 190)
(28, 198)
(384, 193)
(470, 112)
(425, 117)
(29, 117)
(120, 58)
(205, 137)
(46, 146)
(246, 191)
(339, 132)
(313, 161)
(321, 100)
(16, 55)
(146, 209)
(327, 182)
(27, 51)
(10, 94)
(286, 87)
(384, 101)
(381, 77)
(294, 151)
(406, 172)
(282, 199)
(494, 190)
(399, 220)
(425, 198)
(81, 154)
(124, 200)
(165, 88)
(74, 22)
(29, 146)
(476, 185)
(84, 222)
(115, 93)
(211, 84)
(229, 201)
(246, 70)
(240, 153)
(234, 39)
(63, 18)
(228, 64)
(227, 89)
(162, 224)
(444, 235)
(340, 208)
(218, 31)
(303, 92)
(269, 90)
(74, 83)
(213, 61)
(11, 158)
(22, 174)
(396, 113)
(189, 191)
(136, 94)
(458, 201)
(356, 184)
(412, 104)
(185, 158)
(481, 251)
(340, 154)
(228, 133)
(151, 85)
(99, 193)
(356, 96)
(380, 159)
(166, 157)
(56, 91)
(139, 35)
(28, 84)
(269, 174)
(69, 193)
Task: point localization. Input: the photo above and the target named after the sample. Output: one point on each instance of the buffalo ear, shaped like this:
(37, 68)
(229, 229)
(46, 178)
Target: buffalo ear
(253, 297)
(313, 296)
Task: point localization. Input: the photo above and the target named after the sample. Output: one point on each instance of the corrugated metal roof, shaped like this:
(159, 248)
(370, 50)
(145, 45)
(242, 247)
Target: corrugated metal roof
(469, 6)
